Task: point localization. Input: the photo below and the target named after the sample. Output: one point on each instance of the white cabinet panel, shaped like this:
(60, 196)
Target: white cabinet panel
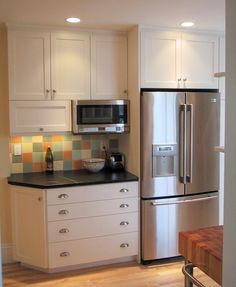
(70, 66)
(160, 59)
(29, 65)
(199, 60)
(108, 67)
(92, 249)
(39, 116)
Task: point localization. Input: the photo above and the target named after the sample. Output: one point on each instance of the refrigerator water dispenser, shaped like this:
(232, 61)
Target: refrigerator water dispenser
(163, 160)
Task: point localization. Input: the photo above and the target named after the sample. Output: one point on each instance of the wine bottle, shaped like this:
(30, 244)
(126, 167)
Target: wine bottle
(49, 160)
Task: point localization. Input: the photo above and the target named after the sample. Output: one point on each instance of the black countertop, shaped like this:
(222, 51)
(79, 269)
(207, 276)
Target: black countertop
(69, 178)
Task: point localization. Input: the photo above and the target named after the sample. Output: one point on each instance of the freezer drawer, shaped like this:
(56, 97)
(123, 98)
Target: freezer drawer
(163, 219)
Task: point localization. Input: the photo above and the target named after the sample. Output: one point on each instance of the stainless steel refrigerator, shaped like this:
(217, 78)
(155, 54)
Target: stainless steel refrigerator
(179, 167)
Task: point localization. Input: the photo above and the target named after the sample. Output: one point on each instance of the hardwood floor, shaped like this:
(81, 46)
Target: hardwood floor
(117, 275)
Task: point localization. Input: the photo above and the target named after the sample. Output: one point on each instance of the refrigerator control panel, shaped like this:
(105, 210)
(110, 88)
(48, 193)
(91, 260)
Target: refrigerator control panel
(164, 160)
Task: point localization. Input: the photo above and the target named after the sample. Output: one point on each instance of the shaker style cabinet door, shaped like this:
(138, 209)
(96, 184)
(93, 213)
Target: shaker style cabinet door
(108, 67)
(70, 59)
(29, 65)
(199, 60)
(160, 59)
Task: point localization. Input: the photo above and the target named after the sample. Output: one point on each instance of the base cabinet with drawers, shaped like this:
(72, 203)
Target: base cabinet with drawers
(65, 227)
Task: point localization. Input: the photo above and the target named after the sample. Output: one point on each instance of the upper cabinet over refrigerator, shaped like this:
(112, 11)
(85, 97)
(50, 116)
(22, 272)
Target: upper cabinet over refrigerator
(171, 59)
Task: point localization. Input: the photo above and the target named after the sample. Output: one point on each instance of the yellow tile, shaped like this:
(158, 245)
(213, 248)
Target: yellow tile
(85, 153)
(17, 168)
(67, 145)
(37, 139)
(27, 147)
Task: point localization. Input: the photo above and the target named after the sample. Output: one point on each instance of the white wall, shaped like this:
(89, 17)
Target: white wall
(229, 251)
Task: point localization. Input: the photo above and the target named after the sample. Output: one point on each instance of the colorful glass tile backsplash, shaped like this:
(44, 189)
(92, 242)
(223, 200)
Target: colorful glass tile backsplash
(68, 151)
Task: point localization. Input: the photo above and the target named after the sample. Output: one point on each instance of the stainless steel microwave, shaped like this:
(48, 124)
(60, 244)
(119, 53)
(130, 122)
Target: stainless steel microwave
(100, 116)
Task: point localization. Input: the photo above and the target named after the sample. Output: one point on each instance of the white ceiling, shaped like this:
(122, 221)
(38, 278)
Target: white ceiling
(116, 14)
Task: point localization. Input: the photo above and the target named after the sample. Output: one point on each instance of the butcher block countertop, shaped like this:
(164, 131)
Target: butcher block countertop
(204, 248)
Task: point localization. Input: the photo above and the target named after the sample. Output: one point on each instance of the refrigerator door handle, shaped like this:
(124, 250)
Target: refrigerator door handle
(190, 162)
(183, 144)
(156, 203)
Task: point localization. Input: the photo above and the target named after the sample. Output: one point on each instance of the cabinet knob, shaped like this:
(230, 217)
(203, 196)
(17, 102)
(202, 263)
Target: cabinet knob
(184, 79)
(124, 245)
(124, 223)
(64, 254)
(179, 79)
(41, 129)
(63, 196)
(124, 205)
(47, 91)
(63, 212)
(64, 230)
(124, 190)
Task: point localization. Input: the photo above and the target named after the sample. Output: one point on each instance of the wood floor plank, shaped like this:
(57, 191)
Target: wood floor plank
(118, 275)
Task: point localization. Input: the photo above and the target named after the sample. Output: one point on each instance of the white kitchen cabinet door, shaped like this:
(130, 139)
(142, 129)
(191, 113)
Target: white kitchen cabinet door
(70, 58)
(29, 226)
(199, 54)
(160, 59)
(29, 65)
(39, 116)
(108, 67)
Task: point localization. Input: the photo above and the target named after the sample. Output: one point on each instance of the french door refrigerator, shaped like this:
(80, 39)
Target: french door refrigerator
(179, 167)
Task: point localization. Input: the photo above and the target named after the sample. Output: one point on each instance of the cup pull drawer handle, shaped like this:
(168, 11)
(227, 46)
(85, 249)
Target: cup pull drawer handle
(64, 254)
(124, 205)
(124, 190)
(124, 245)
(123, 223)
(64, 230)
(63, 212)
(63, 196)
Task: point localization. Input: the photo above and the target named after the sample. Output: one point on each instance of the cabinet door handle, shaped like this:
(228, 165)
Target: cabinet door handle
(53, 93)
(124, 245)
(64, 254)
(124, 223)
(63, 196)
(63, 212)
(124, 205)
(64, 230)
(124, 190)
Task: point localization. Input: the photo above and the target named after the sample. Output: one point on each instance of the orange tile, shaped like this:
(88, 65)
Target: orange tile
(38, 166)
(67, 155)
(27, 157)
(57, 138)
(77, 164)
(85, 144)
(46, 145)
(16, 139)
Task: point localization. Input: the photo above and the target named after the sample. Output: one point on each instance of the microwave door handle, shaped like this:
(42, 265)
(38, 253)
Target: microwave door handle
(182, 143)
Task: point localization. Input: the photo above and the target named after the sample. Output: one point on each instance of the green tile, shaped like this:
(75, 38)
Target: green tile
(26, 139)
(95, 144)
(27, 167)
(57, 155)
(47, 138)
(76, 154)
(37, 147)
(67, 138)
(16, 158)
(56, 146)
(85, 137)
(67, 165)
(76, 145)
(38, 157)
(113, 144)
(96, 153)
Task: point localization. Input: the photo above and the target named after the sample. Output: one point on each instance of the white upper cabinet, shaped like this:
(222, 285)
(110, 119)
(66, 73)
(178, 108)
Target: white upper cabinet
(48, 66)
(29, 65)
(70, 66)
(108, 66)
(178, 60)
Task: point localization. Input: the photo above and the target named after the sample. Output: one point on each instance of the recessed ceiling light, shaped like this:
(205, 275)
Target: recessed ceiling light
(187, 24)
(73, 20)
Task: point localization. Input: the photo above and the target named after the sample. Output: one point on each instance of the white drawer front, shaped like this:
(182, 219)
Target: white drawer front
(92, 249)
(92, 192)
(92, 208)
(92, 227)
